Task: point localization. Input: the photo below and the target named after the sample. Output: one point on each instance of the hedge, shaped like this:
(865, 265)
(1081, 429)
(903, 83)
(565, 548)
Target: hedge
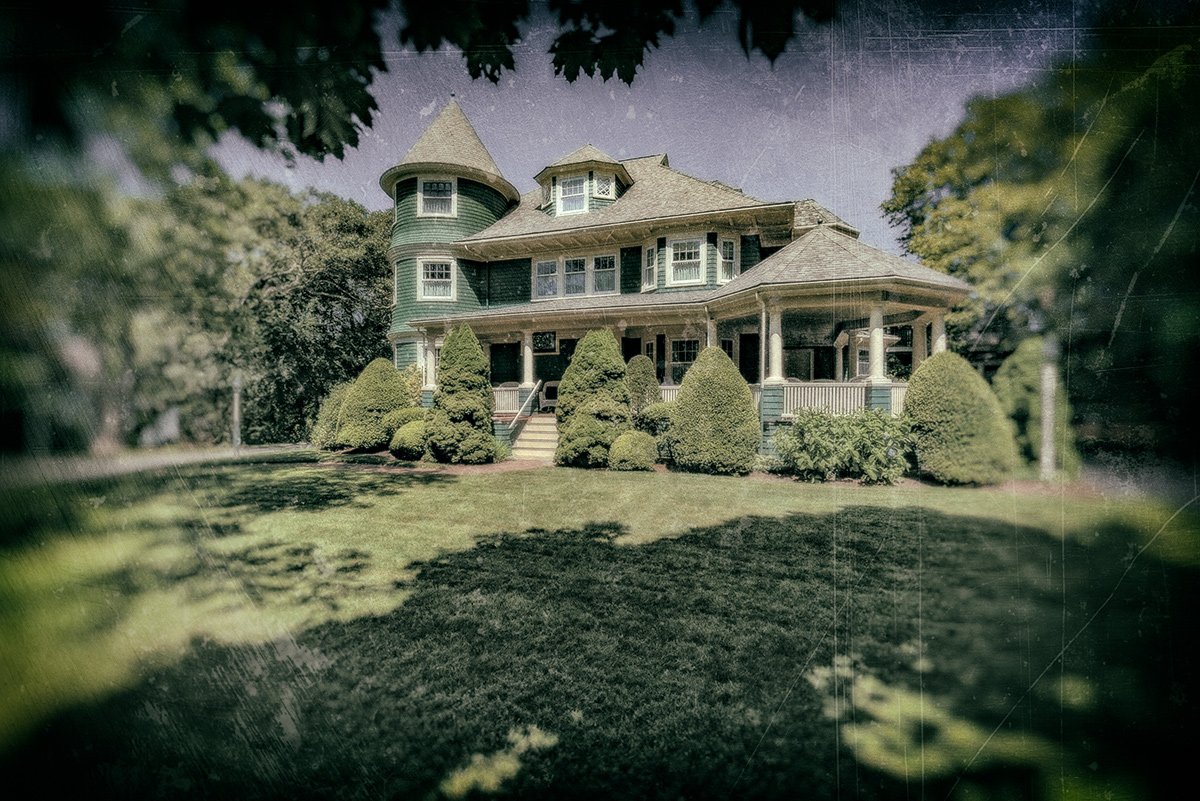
(394, 420)
(593, 402)
(590, 433)
(408, 443)
(643, 385)
(379, 389)
(870, 445)
(961, 434)
(323, 433)
(714, 421)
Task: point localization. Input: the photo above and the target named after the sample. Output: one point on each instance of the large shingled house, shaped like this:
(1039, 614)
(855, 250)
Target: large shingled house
(669, 263)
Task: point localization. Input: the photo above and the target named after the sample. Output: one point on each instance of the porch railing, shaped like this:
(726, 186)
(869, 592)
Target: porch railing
(508, 400)
(839, 398)
(523, 409)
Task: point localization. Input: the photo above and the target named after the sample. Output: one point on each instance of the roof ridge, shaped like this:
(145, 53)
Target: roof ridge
(717, 184)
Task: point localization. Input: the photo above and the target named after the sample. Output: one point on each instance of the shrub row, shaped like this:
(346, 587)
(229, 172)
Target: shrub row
(870, 445)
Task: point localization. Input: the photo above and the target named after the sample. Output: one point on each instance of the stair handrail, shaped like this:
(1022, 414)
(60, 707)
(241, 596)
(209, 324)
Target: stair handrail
(516, 418)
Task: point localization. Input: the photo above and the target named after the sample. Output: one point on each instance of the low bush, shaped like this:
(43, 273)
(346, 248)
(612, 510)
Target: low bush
(869, 445)
(378, 390)
(633, 450)
(323, 433)
(590, 434)
(714, 421)
(408, 443)
(395, 420)
(961, 434)
(655, 420)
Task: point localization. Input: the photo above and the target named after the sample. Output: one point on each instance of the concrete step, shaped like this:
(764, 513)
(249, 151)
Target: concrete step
(532, 456)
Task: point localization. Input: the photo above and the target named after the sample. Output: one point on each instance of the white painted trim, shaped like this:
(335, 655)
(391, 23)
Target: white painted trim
(652, 248)
(421, 180)
(669, 260)
(433, 258)
(558, 208)
(589, 272)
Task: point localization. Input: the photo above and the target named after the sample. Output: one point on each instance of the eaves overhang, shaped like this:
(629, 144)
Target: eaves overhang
(388, 181)
(757, 216)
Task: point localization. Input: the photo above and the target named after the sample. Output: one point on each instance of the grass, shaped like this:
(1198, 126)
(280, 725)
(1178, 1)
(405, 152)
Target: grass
(290, 629)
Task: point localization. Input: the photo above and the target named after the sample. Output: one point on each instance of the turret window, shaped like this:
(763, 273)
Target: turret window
(438, 197)
(437, 280)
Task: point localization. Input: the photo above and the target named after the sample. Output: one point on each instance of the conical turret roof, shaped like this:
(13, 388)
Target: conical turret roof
(450, 145)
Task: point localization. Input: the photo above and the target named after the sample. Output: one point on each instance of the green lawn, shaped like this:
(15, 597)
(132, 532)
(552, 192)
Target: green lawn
(299, 630)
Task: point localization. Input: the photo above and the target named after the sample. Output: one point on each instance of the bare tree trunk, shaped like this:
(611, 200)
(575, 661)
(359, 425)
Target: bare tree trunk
(1047, 458)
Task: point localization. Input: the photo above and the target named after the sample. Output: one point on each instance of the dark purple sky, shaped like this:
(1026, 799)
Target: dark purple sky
(829, 120)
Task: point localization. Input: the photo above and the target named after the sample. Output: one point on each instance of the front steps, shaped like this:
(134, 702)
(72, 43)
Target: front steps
(537, 439)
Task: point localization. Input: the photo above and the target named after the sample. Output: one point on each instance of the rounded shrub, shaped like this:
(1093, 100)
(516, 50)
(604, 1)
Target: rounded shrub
(643, 385)
(961, 434)
(396, 419)
(633, 450)
(590, 432)
(377, 391)
(323, 434)
(408, 443)
(1018, 387)
(655, 420)
(714, 423)
(596, 371)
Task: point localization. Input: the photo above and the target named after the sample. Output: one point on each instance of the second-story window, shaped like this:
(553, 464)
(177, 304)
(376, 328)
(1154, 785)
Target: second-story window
(437, 280)
(686, 261)
(546, 279)
(604, 274)
(572, 194)
(437, 198)
(728, 260)
(575, 276)
(650, 270)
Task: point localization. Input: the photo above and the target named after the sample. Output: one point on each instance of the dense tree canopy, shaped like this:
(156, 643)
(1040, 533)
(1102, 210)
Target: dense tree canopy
(1071, 205)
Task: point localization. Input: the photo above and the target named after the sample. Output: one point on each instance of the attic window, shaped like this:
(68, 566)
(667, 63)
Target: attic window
(438, 197)
(604, 186)
(572, 194)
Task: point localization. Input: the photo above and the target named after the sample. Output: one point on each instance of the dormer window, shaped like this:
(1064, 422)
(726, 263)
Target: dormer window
(605, 187)
(572, 194)
(438, 197)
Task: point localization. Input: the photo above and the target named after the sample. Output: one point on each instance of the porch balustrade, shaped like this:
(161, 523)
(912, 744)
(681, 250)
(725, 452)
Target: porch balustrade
(508, 400)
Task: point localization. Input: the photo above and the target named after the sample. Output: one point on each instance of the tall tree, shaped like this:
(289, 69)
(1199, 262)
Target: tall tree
(1071, 206)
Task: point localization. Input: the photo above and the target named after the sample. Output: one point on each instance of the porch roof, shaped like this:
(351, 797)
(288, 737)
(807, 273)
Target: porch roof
(824, 255)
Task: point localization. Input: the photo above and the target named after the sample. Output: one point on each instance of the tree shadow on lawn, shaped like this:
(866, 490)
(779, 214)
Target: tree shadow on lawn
(681, 668)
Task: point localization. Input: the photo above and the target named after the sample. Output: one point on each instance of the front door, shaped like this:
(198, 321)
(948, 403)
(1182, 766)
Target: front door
(748, 355)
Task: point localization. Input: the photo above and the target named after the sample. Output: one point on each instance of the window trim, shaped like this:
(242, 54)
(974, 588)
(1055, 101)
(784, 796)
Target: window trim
(734, 265)
(583, 194)
(612, 186)
(649, 251)
(589, 275)
(700, 238)
(422, 262)
(424, 179)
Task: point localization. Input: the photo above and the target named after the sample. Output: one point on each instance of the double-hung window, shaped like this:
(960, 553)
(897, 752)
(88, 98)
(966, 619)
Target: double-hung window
(650, 269)
(728, 260)
(604, 275)
(437, 280)
(686, 261)
(683, 353)
(546, 279)
(572, 194)
(437, 198)
(574, 276)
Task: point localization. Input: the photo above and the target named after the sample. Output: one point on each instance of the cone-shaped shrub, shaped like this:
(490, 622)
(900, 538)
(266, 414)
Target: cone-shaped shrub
(633, 450)
(459, 426)
(324, 429)
(379, 389)
(643, 385)
(1018, 386)
(714, 423)
(961, 434)
(596, 371)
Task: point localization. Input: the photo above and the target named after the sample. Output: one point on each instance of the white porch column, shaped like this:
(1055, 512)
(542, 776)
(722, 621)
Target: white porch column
(876, 352)
(430, 363)
(711, 333)
(939, 333)
(775, 325)
(920, 343)
(838, 366)
(527, 359)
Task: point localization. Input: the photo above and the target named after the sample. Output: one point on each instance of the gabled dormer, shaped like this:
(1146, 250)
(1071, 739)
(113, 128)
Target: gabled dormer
(583, 181)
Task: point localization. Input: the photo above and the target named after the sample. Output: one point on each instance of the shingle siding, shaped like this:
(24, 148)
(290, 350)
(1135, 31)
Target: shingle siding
(511, 282)
(469, 279)
(750, 252)
(631, 270)
(478, 207)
